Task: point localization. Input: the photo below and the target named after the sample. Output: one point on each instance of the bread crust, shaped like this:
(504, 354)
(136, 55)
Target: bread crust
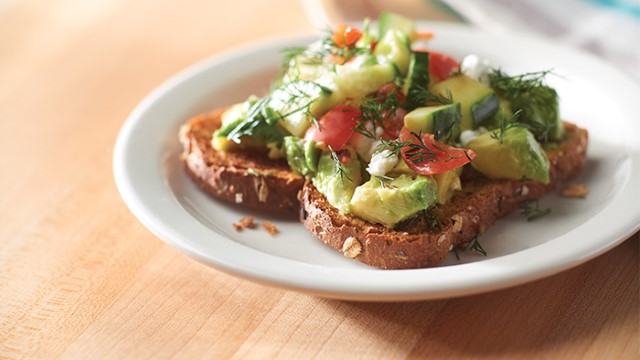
(245, 177)
(469, 213)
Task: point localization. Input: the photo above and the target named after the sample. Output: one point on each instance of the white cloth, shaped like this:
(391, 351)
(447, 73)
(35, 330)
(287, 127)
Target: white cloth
(607, 28)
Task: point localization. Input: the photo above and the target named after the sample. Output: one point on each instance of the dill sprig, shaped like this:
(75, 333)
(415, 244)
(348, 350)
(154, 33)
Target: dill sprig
(374, 111)
(419, 152)
(263, 113)
(384, 182)
(423, 218)
(506, 125)
(528, 93)
(416, 153)
(531, 209)
(424, 96)
(519, 84)
(475, 246)
(339, 168)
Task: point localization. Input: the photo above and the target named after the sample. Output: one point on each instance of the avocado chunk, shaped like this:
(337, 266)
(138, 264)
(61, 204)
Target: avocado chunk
(302, 155)
(293, 104)
(388, 202)
(337, 177)
(516, 155)
(355, 83)
(441, 120)
(394, 48)
(448, 183)
(478, 102)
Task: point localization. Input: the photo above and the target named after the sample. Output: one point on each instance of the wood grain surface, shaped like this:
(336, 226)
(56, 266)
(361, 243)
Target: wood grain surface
(81, 278)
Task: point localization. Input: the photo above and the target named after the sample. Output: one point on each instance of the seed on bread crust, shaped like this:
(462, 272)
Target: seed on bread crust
(351, 247)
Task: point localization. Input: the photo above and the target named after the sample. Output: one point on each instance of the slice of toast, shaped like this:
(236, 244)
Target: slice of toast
(244, 177)
(416, 243)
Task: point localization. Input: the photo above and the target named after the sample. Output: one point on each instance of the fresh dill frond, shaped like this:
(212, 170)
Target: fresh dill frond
(283, 102)
(374, 111)
(426, 219)
(339, 168)
(384, 181)
(518, 84)
(473, 245)
(424, 96)
(476, 247)
(418, 152)
(432, 220)
(394, 146)
(531, 209)
(506, 125)
(529, 93)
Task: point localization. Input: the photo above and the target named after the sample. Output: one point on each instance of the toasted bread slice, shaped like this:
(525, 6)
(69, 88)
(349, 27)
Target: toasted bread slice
(415, 243)
(244, 177)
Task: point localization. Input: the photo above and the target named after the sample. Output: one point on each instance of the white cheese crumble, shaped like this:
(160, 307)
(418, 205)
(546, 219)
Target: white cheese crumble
(476, 68)
(382, 162)
(364, 145)
(467, 135)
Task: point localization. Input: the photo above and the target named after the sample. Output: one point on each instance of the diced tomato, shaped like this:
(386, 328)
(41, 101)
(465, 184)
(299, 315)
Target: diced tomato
(426, 156)
(336, 126)
(385, 89)
(393, 123)
(346, 36)
(441, 65)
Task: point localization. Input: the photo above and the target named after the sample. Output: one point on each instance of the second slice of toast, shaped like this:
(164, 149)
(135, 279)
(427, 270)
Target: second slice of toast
(425, 241)
(246, 177)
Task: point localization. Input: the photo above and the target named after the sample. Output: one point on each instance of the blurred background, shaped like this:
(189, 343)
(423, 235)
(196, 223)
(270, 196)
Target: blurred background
(609, 29)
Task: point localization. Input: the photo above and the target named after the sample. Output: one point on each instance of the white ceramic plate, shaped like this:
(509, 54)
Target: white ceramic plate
(152, 182)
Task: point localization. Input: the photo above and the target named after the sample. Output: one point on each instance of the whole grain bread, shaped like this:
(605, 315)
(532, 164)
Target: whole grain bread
(425, 240)
(245, 177)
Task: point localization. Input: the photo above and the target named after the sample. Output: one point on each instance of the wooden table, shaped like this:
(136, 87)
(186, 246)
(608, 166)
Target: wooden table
(80, 277)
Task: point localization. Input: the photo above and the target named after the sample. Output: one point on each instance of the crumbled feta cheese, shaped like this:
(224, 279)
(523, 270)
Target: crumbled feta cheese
(476, 68)
(467, 135)
(364, 145)
(382, 162)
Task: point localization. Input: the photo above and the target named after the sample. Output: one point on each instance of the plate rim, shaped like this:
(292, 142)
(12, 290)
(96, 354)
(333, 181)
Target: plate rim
(398, 289)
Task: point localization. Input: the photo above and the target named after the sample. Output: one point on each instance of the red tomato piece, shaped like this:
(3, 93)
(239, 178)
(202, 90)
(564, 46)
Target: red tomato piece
(346, 36)
(336, 127)
(385, 89)
(441, 65)
(426, 156)
(393, 124)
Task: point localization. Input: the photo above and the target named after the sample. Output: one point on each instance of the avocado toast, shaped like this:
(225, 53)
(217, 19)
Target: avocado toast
(426, 238)
(245, 177)
(391, 154)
